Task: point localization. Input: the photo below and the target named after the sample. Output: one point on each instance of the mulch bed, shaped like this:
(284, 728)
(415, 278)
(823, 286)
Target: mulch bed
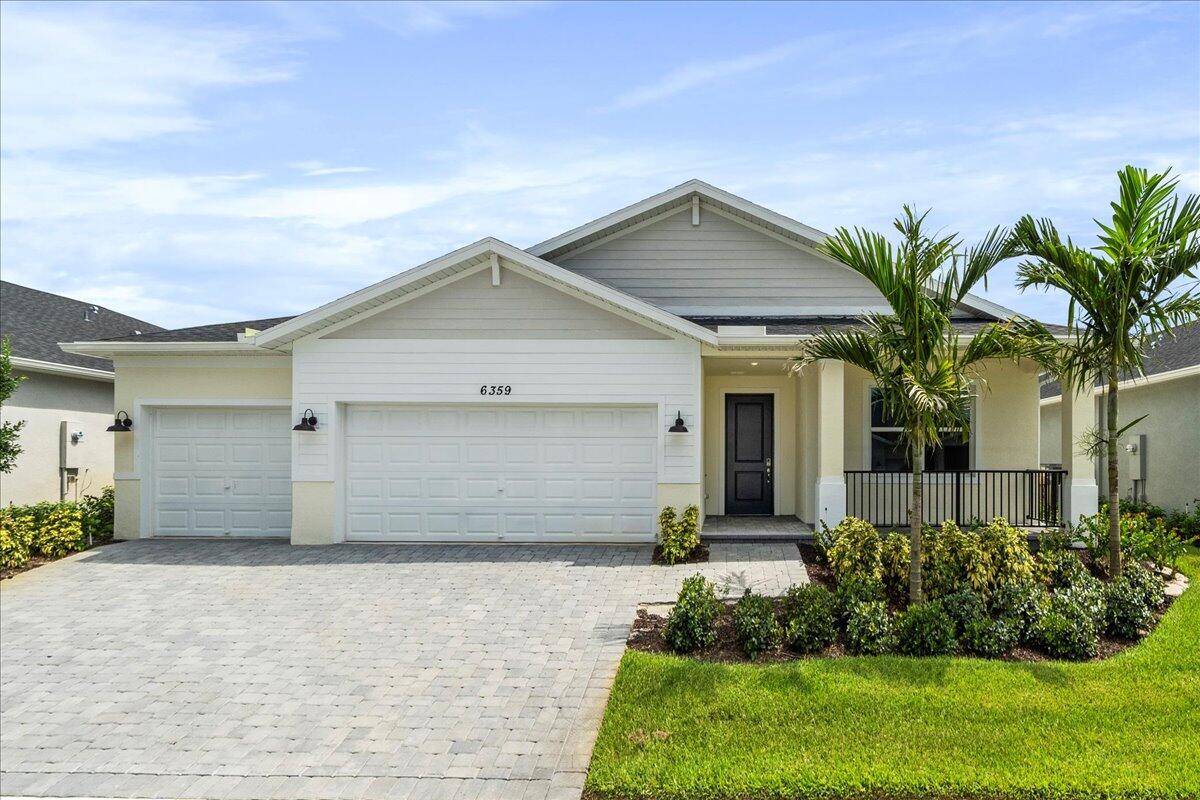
(698, 556)
(646, 635)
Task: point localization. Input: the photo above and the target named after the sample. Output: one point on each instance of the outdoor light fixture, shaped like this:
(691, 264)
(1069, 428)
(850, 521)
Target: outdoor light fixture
(121, 424)
(678, 427)
(308, 421)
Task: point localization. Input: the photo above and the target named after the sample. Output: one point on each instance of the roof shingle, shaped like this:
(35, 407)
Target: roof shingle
(1180, 349)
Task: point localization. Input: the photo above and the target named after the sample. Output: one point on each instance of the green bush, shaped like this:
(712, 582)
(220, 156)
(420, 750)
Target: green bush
(1063, 569)
(925, 629)
(1023, 603)
(822, 542)
(809, 618)
(1143, 538)
(1126, 613)
(755, 624)
(991, 638)
(98, 516)
(894, 552)
(964, 607)
(1086, 595)
(16, 537)
(692, 623)
(981, 558)
(853, 590)
(869, 629)
(1146, 583)
(1006, 554)
(1068, 634)
(856, 550)
(1185, 524)
(59, 531)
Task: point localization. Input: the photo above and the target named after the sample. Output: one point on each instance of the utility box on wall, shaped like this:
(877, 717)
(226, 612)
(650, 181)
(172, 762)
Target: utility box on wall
(1134, 449)
(70, 435)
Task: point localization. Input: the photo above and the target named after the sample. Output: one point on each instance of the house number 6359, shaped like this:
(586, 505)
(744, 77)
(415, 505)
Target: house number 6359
(491, 389)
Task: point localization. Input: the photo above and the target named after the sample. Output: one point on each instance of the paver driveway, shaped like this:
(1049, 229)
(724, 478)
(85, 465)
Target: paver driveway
(217, 669)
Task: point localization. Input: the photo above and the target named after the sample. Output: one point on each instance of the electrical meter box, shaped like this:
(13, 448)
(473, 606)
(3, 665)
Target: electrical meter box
(1134, 450)
(70, 439)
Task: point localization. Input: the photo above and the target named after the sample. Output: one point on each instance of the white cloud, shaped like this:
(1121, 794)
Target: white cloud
(80, 75)
(313, 169)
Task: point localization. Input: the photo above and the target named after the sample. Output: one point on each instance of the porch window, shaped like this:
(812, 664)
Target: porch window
(890, 454)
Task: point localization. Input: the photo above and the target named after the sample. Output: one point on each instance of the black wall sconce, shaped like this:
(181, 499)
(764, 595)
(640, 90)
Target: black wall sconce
(308, 421)
(122, 424)
(678, 427)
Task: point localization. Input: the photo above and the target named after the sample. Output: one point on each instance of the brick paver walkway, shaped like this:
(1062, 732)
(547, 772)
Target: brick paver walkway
(216, 669)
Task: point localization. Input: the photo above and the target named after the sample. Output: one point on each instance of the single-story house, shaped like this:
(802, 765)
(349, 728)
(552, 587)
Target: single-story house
(1161, 452)
(65, 399)
(566, 392)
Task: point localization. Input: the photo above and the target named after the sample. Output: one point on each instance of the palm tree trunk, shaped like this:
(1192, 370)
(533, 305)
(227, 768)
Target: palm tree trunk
(915, 522)
(1114, 498)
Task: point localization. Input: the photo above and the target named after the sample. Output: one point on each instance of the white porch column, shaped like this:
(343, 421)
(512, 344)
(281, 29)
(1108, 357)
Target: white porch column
(1080, 492)
(831, 432)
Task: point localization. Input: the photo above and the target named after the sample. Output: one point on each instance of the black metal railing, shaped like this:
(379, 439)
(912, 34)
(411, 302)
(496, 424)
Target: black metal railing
(1027, 498)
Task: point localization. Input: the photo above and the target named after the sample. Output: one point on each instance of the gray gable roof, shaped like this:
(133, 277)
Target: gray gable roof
(35, 322)
(808, 326)
(218, 332)
(1179, 350)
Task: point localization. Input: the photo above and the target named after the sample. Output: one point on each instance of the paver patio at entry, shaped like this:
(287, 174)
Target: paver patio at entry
(254, 669)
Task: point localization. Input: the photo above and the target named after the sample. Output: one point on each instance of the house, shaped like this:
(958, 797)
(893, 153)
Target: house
(1161, 452)
(65, 399)
(562, 393)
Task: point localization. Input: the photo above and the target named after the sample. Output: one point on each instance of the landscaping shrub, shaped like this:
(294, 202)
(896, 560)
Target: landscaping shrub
(853, 590)
(1067, 633)
(1146, 583)
(1143, 538)
(755, 623)
(869, 629)
(822, 541)
(59, 530)
(1023, 603)
(991, 638)
(1063, 569)
(16, 537)
(1126, 613)
(856, 550)
(98, 516)
(952, 558)
(678, 537)
(925, 629)
(1085, 594)
(964, 607)
(1185, 524)
(692, 623)
(809, 618)
(894, 553)
(1006, 554)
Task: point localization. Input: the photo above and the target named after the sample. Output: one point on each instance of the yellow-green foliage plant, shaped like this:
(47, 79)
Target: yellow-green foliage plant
(856, 550)
(669, 536)
(894, 557)
(59, 531)
(953, 558)
(16, 535)
(689, 529)
(1006, 551)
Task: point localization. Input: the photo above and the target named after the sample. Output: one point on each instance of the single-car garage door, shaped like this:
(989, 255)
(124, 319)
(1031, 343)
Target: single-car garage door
(517, 473)
(222, 472)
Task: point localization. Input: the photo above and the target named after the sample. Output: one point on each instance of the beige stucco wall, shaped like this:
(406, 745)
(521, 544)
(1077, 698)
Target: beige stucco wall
(43, 401)
(1008, 426)
(145, 379)
(313, 512)
(783, 386)
(1051, 433)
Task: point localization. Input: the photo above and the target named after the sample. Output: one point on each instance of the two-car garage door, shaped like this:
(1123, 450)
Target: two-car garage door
(439, 473)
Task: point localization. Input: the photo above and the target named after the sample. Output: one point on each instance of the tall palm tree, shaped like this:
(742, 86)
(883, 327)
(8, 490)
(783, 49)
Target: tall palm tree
(925, 371)
(1123, 293)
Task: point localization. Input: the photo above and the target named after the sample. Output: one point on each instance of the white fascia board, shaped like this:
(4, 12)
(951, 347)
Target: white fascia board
(1138, 382)
(296, 327)
(110, 349)
(675, 194)
(35, 365)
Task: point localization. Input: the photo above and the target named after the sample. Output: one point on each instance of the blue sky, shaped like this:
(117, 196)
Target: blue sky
(210, 162)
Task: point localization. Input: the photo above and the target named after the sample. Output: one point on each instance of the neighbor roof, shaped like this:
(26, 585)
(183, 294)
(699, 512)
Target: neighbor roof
(809, 326)
(1177, 351)
(218, 332)
(35, 322)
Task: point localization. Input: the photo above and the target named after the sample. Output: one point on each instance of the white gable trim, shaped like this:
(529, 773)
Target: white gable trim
(54, 368)
(469, 258)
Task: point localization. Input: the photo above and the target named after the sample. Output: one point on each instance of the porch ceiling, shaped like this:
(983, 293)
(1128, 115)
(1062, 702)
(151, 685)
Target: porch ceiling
(745, 365)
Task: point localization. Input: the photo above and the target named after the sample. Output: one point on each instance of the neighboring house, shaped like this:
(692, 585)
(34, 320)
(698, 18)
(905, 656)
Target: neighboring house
(66, 399)
(532, 395)
(1160, 453)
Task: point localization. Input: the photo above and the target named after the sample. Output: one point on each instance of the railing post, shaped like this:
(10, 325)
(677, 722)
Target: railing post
(958, 520)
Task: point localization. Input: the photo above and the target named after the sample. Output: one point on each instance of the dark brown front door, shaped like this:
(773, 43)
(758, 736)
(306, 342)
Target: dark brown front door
(749, 453)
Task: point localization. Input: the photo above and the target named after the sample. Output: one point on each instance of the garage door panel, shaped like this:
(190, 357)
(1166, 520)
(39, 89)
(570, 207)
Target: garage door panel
(222, 472)
(517, 474)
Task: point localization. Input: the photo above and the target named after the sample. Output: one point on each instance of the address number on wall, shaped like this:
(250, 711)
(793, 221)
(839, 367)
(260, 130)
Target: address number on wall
(493, 389)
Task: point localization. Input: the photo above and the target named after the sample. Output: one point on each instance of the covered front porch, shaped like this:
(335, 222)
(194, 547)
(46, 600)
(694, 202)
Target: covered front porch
(784, 451)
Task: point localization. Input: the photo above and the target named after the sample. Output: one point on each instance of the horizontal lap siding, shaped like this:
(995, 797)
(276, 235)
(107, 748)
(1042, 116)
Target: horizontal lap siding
(721, 266)
(663, 373)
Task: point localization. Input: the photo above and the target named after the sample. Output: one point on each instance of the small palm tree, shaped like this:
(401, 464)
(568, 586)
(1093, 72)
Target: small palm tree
(925, 371)
(1123, 294)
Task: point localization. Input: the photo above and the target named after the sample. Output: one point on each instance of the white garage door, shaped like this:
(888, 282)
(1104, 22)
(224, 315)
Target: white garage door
(510, 473)
(222, 472)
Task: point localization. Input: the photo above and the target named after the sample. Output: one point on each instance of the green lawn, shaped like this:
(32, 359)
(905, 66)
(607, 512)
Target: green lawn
(894, 727)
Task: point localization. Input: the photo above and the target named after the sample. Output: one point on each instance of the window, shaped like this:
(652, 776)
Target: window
(890, 454)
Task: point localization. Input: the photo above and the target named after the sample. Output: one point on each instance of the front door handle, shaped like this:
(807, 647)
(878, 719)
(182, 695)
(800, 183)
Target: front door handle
(768, 470)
